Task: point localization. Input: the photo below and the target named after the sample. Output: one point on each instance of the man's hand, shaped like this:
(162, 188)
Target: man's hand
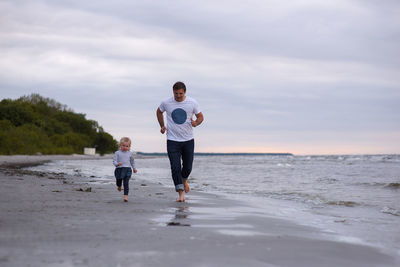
(163, 129)
(198, 121)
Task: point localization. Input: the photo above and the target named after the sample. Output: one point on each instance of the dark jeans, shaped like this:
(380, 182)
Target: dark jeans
(123, 174)
(180, 156)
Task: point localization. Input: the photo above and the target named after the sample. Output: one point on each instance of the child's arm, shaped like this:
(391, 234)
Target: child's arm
(132, 160)
(115, 160)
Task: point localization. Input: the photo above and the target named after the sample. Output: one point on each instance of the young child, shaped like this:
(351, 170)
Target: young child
(124, 162)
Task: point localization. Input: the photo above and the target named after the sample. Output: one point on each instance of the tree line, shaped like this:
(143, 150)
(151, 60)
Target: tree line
(35, 124)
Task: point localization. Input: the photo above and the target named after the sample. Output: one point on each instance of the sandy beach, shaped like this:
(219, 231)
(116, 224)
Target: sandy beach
(52, 219)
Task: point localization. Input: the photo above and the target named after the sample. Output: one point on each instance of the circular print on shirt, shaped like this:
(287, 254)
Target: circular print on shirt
(179, 116)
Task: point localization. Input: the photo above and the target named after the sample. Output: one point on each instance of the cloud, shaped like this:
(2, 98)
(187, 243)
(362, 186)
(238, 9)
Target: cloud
(255, 67)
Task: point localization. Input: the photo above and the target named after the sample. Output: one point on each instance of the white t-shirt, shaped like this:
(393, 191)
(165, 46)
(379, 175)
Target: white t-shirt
(179, 114)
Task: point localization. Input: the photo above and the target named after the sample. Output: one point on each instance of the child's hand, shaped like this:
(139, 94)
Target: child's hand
(134, 171)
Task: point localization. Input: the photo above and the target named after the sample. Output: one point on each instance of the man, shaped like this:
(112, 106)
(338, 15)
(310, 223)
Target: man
(180, 140)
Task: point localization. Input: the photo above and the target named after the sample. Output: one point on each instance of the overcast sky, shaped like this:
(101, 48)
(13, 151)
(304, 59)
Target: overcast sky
(300, 76)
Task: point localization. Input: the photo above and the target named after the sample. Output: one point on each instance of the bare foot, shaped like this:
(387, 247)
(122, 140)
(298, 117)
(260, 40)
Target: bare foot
(125, 198)
(181, 196)
(119, 189)
(186, 186)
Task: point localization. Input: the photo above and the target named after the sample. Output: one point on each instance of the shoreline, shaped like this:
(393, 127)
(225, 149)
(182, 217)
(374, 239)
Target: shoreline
(46, 220)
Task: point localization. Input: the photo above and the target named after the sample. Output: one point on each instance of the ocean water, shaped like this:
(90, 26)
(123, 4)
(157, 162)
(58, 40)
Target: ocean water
(353, 198)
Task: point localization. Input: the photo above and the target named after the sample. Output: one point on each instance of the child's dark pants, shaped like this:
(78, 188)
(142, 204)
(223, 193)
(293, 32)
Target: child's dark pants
(123, 174)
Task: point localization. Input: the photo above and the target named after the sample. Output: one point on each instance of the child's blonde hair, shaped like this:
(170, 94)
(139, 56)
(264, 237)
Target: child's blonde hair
(125, 140)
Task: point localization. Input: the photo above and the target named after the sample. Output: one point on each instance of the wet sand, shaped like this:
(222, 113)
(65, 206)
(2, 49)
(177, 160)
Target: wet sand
(50, 219)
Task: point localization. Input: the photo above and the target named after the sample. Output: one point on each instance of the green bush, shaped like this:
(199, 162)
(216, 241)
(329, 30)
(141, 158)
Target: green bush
(34, 124)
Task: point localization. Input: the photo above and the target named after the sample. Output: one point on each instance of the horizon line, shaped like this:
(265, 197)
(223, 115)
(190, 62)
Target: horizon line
(264, 154)
(220, 153)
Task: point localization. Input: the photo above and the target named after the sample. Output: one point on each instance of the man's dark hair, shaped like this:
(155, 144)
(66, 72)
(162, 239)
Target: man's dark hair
(179, 85)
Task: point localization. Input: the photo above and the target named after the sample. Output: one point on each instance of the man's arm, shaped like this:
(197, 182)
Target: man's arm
(199, 119)
(160, 119)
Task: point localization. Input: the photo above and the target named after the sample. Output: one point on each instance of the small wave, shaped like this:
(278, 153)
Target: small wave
(283, 165)
(313, 199)
(391, 211)
(342, 203)
(328, 180)
(393, 185)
